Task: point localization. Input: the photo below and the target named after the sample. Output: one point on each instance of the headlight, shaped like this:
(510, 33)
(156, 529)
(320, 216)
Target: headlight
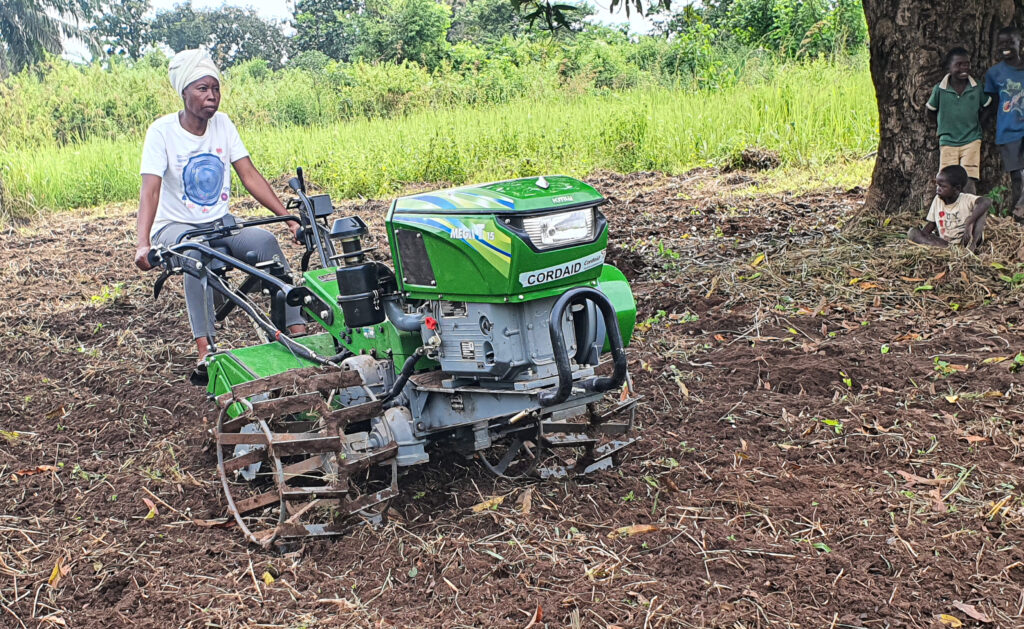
(557, 230)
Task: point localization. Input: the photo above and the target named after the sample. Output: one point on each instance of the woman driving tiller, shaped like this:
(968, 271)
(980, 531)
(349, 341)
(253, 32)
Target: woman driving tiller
(186, 185)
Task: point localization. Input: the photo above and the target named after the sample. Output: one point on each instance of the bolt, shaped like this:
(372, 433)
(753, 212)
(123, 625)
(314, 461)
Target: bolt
(323, 314)
(308, 299)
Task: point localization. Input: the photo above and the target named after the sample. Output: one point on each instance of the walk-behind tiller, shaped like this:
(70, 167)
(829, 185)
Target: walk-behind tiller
(486, 339)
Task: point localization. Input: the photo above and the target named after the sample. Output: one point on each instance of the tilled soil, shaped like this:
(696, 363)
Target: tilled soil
(833, 448)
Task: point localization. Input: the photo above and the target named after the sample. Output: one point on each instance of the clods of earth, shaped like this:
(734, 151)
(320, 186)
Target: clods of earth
(830, 437)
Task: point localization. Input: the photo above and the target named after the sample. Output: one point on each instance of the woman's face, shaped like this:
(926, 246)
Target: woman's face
(202, 97)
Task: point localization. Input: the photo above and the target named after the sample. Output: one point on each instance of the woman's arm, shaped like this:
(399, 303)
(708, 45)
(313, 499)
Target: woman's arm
(260, 189)
(149, 197)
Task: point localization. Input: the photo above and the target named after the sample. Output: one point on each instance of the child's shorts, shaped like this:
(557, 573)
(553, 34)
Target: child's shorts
(968, 156)
(1012, 159)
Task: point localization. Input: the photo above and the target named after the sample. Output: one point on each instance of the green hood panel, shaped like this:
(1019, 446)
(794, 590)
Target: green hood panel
(517, 195)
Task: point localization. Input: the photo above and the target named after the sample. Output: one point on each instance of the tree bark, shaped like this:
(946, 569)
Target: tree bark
(908, 40)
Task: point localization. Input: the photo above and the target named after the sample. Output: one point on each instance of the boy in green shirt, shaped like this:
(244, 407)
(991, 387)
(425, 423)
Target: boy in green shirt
(955, 105)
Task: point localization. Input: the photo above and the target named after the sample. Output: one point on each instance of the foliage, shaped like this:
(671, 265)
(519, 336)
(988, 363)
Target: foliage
(810, 115)
(121, 27)
(404, 30)
(231, 34)
(326, 26)
(793, 27)
(486, 21)
(29, 29)
(545, 16)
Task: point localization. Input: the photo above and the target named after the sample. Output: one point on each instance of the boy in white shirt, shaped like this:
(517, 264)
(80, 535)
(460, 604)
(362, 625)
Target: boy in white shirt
(954, 215)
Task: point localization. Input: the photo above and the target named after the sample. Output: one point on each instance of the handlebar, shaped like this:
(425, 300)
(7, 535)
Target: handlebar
(154, 258)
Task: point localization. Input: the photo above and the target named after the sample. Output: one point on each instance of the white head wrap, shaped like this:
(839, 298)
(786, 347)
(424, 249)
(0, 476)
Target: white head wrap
(191, 65)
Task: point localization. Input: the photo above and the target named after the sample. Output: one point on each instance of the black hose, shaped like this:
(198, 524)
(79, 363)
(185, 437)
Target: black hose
(403, 377)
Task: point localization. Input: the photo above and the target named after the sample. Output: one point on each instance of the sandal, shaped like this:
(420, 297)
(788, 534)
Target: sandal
(199, 376)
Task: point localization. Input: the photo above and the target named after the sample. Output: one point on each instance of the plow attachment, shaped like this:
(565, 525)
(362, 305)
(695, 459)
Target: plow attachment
(286, 463)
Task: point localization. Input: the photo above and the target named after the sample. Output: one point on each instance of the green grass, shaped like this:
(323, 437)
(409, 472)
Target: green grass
(812, 116)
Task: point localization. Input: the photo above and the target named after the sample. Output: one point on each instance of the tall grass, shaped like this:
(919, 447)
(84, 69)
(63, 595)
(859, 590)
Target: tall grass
(809, 114)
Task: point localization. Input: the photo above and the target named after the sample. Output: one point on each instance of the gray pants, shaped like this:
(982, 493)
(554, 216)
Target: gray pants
(200, 306)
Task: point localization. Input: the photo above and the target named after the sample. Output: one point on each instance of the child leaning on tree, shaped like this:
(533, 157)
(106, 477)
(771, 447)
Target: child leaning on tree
(955, 215)
(955, 106)
(1005, 82)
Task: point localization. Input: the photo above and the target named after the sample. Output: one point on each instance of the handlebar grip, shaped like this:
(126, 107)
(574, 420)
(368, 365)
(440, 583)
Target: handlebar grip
(154, 258)
(294, 184)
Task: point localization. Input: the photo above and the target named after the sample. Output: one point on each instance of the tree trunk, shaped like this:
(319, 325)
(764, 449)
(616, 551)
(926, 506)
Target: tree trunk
(908, 40)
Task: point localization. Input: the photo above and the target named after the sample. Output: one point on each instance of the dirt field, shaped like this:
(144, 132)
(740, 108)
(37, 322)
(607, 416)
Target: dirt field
(831, 437)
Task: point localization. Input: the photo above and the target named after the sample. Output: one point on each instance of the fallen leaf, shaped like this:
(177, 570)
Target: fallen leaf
(39, 469)
(682, 388)
(913, 479)
(758, 260)
(152, 509)
(56, 620)
(267, 577)
(938, 277)
(909, 336)
(974, 438)
(59, 572)
(950, 620)
(719, 337)
(636, 529)
(936, 497)
(854, 280)
(867, 285)
(10, 435)
(957, 367)
(488, 504)
(972, 611)
(538, 616)
(216, 523)
(911, 279)
(995, 359)
(952, 398)
(526, 501)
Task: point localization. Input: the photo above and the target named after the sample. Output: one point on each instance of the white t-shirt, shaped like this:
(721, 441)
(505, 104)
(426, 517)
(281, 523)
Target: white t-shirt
(196, 170)
(950, 219)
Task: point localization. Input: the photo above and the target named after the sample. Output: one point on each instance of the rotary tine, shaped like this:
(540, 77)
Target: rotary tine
(311, 466)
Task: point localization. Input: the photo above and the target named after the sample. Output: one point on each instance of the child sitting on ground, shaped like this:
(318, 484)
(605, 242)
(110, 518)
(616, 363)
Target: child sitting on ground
(957, 215)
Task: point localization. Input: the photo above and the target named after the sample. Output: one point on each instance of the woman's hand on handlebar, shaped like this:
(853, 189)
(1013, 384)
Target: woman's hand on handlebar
(141, 260)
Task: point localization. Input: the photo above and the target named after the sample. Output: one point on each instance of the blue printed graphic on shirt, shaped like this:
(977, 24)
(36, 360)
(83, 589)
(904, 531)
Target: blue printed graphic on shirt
(1006, 83)
(203, 178)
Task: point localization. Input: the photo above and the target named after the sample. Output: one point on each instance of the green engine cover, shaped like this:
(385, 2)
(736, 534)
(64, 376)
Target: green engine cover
(470, 243)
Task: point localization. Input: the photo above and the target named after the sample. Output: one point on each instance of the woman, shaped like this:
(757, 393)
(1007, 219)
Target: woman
(186, 183)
